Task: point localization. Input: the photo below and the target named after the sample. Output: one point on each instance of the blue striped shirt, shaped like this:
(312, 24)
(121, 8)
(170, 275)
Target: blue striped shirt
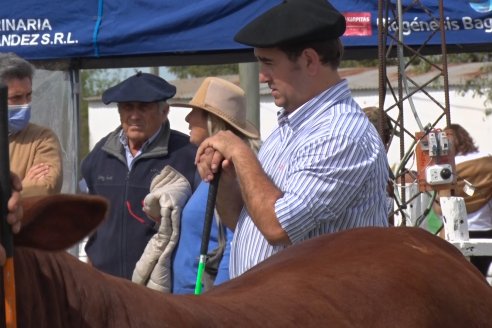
(331, 165)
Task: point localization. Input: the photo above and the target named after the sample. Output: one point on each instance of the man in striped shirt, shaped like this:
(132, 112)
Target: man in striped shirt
(324, 169)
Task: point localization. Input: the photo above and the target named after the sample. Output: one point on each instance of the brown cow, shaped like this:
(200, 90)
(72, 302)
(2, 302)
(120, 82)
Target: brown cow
(371, 277)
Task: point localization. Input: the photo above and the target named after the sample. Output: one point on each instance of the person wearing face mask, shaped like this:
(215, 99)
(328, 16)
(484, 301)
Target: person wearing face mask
(34, 150)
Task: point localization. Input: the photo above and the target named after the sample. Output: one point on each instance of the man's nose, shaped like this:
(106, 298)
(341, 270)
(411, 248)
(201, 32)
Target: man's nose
(135, 112)
(263, 77)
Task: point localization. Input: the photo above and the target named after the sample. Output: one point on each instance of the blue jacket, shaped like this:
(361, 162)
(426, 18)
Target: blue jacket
(116, 246)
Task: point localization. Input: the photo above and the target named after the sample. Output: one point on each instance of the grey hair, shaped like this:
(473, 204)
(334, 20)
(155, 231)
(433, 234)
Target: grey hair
(14, 67)
(216, 124)
(162, 105)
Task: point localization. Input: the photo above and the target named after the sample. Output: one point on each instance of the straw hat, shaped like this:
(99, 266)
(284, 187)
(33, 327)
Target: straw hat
(225, 100)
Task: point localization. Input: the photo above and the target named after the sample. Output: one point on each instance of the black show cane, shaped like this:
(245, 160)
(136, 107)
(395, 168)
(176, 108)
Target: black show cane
(207, 226)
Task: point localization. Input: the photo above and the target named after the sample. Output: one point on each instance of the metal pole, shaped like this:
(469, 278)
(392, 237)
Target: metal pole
(154, 70)
(7, 289)
(249, 81)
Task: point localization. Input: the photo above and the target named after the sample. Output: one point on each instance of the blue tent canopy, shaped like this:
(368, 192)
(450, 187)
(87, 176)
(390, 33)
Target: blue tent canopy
(108, 33)
(65, 36)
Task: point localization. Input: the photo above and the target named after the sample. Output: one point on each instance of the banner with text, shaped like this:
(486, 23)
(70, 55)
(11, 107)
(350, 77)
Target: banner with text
(56, 29)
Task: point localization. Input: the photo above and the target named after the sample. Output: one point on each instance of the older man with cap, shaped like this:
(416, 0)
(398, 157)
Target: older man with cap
(122, 165)
(324, 169)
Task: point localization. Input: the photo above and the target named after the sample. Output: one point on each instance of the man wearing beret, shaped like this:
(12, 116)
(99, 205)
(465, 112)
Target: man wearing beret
(122, 165)
(324, 169)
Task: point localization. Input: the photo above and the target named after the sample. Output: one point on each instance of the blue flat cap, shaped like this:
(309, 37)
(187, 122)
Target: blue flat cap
(141, 87)
(291, 22)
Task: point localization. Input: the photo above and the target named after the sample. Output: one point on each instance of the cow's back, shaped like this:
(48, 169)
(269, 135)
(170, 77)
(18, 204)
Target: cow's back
(369, 277)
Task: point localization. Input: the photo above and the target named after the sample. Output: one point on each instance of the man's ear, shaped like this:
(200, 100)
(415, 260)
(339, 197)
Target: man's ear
(311, 60)
(165, 109)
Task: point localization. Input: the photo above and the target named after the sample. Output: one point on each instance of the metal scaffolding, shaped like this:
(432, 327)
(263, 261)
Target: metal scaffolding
(395, 99)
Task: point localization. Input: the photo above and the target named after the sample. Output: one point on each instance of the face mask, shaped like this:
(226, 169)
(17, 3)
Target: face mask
(19, 116)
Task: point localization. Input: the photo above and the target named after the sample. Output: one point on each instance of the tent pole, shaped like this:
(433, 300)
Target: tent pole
(249, 81)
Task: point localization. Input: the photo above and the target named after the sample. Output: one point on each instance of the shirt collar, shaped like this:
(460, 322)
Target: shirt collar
(124, 139)
(306, 110)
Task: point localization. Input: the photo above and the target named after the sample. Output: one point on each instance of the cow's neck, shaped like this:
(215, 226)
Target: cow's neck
(56, 290)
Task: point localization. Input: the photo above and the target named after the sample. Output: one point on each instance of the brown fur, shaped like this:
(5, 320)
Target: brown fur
(371, 277)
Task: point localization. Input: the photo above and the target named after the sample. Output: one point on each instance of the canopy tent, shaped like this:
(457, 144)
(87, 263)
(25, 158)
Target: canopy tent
(65, 36)
(116, 33)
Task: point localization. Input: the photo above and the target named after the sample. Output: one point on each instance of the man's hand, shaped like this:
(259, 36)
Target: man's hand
(38, 171)
(14, 205)
(203, 162)
(217, 152)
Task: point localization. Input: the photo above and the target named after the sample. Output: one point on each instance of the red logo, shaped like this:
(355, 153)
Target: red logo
(358, 24)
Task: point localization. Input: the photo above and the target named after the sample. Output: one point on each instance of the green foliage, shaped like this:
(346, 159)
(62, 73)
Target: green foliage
(93, 83)
(359, 63)
(420, 65)
(185, 72)
(481, 87)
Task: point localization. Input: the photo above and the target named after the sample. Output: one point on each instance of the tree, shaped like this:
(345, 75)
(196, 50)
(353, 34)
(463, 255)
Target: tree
(185, 72)
(478, 86)
(93, 83)
(482, 87)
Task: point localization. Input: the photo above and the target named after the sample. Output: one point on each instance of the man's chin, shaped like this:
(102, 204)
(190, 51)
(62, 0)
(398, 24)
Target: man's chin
(278, 102)
(134, 130)
(136, 136)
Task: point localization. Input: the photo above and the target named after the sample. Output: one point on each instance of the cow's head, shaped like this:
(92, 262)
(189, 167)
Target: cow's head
(57, 222)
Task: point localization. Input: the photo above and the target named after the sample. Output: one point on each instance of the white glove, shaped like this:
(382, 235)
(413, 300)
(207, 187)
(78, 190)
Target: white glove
(158, 186)
(160, 278)
(169, 192)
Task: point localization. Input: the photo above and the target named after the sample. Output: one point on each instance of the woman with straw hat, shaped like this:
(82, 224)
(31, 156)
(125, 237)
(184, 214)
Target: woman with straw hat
(218, 105)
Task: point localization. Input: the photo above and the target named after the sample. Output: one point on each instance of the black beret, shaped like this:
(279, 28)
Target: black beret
(141, 87)
(291, 22)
